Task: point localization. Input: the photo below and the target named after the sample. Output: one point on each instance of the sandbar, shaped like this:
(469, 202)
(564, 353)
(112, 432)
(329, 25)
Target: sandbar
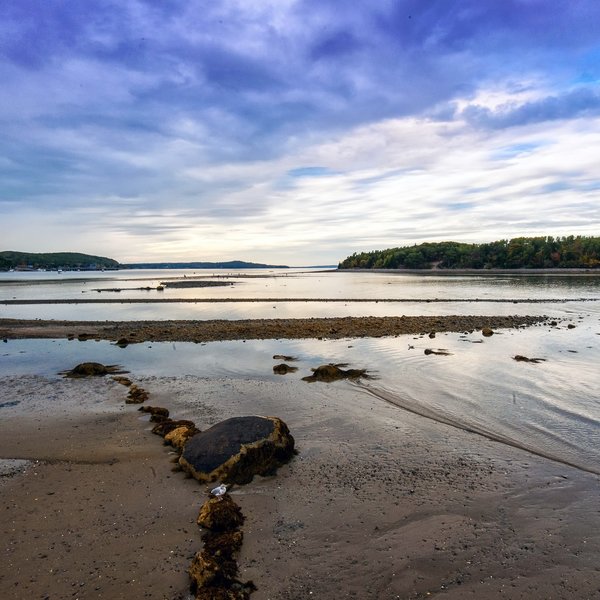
(222, 329)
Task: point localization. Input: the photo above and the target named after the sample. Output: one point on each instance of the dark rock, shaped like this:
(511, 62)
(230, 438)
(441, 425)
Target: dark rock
(122, 342)
(571, 326)
(432, 334)
(487, 332)
(236, 449)
(92, 369)
(284, 369)
(329, 373)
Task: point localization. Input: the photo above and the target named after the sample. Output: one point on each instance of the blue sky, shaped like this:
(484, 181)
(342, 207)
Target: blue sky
(295, 132)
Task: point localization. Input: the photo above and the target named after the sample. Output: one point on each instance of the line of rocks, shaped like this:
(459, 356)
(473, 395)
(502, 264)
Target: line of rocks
(232, 451)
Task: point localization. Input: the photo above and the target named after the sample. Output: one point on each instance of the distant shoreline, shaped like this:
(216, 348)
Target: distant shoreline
(552, 271)
(279, 300)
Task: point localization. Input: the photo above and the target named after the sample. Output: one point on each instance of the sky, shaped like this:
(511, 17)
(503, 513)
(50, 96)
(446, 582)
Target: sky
(295, 131)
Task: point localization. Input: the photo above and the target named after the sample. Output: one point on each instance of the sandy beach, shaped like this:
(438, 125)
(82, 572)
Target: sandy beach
(379, 502)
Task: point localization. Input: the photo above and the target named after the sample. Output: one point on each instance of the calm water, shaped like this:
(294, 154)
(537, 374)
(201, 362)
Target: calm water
(550, 408)
(346, 294)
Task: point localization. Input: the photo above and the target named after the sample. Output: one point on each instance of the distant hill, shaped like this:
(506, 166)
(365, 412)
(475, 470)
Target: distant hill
(54, 260)
(232, 264)
(518, 253)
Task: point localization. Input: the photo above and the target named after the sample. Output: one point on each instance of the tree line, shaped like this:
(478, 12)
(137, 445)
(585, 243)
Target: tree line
(54, 260)
(518, 253)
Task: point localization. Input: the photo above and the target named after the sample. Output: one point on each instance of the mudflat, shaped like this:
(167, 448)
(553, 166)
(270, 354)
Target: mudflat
(379, 503)
(214, 330)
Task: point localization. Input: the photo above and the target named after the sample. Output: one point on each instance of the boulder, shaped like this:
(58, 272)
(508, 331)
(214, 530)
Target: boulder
(487, 331)
(236, 449)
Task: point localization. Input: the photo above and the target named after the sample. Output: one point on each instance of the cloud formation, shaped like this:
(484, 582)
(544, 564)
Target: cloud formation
(292, 131)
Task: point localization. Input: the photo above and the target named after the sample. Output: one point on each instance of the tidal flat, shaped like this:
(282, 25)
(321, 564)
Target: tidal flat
(455, 468)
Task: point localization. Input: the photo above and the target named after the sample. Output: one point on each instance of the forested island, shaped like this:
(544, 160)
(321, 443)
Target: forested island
(54, 261)
(569, 252)
(75, 261)
(231, 264)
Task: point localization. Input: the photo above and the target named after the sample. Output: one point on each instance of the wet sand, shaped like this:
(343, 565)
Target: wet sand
(215, 330)
(379, 503)
(94, 513)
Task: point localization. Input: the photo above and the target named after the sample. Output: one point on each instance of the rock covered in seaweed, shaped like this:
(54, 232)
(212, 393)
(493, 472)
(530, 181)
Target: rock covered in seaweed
(136, 395)
(165, 427)
(283, 369)
(329, 373)
(220, 513)
(236, 449)
(207, 570)
(92, 369)
(179, 436)
(223, 543)
(157, 413)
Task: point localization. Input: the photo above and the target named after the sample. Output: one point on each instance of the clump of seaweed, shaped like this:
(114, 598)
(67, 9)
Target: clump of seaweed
(438, 352)
(92, 369)
(214, 569)
(283, 369)
(521, 358)
(157, 413)
(333, 372)
(136, 395)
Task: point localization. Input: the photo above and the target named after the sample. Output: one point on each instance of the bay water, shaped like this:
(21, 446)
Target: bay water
(549, 408)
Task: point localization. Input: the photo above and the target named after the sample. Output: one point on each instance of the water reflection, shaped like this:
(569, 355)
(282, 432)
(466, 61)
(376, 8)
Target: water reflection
(550, 408)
